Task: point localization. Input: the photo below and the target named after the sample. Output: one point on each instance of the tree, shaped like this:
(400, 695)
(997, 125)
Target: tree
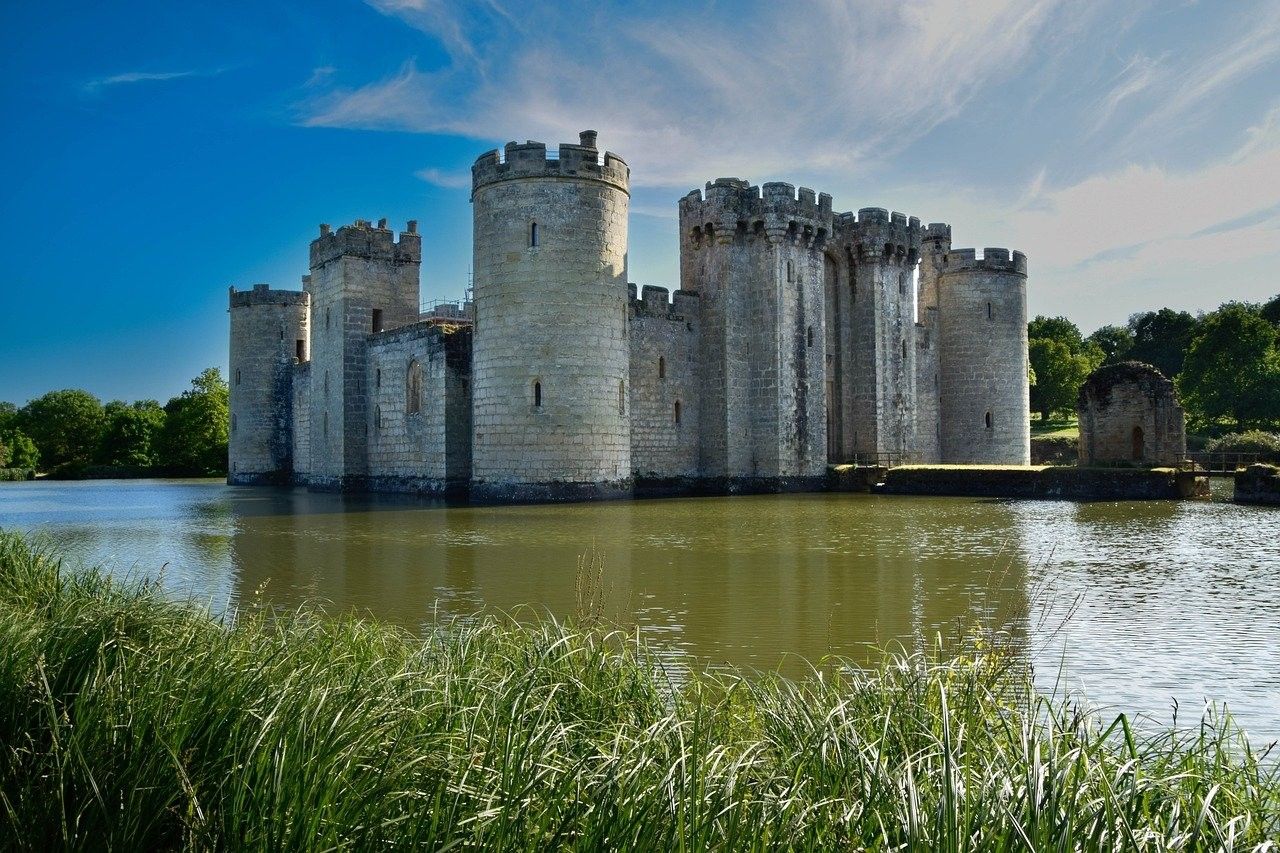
(1061, 359)
(8, 415)
(195, 432)
(1232, 368)
(131, 438)
(1115, 343)
(66, 426)
(17, 450)
(1271, 311)
(1161, 338)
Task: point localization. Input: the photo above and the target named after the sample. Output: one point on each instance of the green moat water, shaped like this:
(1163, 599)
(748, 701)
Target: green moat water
(1138, 604)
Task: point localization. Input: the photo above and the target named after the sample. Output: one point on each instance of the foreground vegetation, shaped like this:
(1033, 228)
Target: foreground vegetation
(130, 722)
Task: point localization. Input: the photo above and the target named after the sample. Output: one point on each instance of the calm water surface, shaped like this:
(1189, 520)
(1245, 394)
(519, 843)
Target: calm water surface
(1166, 601)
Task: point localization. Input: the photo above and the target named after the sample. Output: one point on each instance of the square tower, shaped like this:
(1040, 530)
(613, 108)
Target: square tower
(362, 281)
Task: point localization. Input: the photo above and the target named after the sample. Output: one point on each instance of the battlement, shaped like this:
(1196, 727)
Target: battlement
(733, 206)
(262, 294)
(877, 232)
(526, 160)
(992, 260)
(364, 240)
(653, 302)
(937, 232)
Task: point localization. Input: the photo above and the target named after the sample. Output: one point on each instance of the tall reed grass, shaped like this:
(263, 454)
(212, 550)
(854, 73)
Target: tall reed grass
(129, 722)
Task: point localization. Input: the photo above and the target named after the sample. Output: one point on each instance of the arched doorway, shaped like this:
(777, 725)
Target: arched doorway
(1139, 444)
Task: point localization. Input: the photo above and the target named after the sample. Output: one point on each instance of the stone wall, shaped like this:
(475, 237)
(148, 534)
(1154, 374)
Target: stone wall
(664, 377)
(552, 354)
(420, 406)
(301, 413)
(362, 279)
(266, 327)
(984, 394)
(1129, 413)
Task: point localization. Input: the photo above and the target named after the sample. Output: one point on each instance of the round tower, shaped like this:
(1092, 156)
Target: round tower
(268, 336)
(984, 391)
(551, 355)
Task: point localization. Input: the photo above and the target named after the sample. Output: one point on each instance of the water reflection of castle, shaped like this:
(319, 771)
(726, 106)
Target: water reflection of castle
(743, 582)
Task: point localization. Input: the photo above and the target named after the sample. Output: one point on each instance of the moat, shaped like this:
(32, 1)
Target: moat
(1138, 603)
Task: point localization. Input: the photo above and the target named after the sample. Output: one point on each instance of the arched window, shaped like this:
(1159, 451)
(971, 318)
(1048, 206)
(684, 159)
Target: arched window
(808, 336)
(677, 412)
(537, 393)
(533, 235)
(988, 420)
(662, 368)
(413, 388)
(622, 398)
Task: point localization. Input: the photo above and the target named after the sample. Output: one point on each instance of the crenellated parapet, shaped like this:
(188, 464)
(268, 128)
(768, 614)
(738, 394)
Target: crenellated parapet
(734, 209)
(362, 239)
(661, 303)
(877, 233)
(936, 237)
(992, 260)
(519, 161)
(262, 294)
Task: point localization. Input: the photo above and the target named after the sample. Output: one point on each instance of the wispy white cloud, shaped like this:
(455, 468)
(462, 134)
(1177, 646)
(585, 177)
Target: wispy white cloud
(766, 91)
(145, 77)
(447, 180)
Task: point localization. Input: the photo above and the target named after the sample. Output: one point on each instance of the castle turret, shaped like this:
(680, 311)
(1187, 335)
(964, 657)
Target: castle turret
(754, 256)
(268, 336)
(934, 245)
(362, 281)
(982, 320)
(551, 352)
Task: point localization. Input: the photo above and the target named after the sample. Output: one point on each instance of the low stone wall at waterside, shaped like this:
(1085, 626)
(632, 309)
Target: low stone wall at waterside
(855, 478)
(1258, 484)
(1046, 482)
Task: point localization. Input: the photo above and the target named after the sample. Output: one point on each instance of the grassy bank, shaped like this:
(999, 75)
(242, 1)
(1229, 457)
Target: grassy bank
(131, 722)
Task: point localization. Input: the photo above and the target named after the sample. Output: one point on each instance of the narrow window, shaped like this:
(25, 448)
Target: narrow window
(622, 398)
(904, 349)
(326, 318)
(791, 271)
(537, 393)
(662, 367)
(326, 383)
(533, 235)
(377, 378)
(988, 420)
(377, 419)
(989, 312)
(297, 349)
(282, 333)
(677, 411)
(808, 336)
(413, 388)
(377, 319)
(237, 376)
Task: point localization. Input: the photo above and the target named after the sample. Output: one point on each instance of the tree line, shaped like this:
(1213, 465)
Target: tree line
(1225, 364)
(72, 433)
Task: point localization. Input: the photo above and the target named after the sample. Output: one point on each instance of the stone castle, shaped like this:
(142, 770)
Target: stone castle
(799, 337)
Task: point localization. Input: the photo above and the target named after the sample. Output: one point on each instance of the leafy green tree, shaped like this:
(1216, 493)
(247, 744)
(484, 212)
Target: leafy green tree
(1061, 359)
(1114, 342)
(1271, 311)
(1161, 338)
(18, 450)
(194, 437)
(8, 415)
(132, 435)
(1232, 368)
(66, 426)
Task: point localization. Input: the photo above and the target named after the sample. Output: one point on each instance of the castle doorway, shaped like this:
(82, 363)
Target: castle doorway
(1139, 446)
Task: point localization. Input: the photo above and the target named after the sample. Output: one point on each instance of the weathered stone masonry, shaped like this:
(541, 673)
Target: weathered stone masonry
(799, 337)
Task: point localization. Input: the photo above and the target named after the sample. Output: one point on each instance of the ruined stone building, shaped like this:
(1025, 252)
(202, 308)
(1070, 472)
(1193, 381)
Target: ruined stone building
(799, 337)
(1129, 414)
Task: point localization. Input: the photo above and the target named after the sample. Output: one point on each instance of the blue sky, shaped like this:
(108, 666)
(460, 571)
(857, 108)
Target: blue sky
(155, 153)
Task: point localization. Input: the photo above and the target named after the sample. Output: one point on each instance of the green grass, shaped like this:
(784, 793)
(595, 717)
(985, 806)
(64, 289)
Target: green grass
(1067, 428)
(128, 722)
